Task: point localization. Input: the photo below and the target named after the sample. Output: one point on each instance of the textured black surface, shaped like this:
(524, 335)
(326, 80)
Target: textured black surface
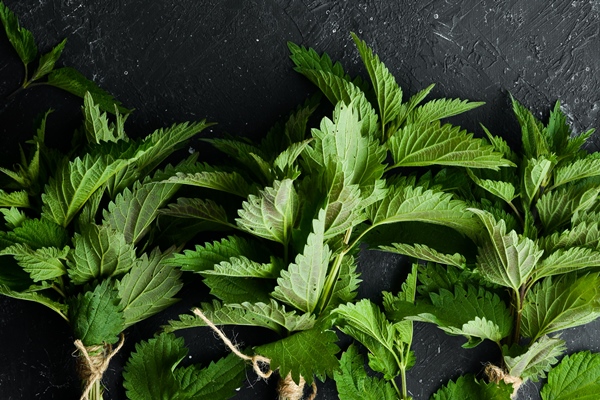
(176, 60)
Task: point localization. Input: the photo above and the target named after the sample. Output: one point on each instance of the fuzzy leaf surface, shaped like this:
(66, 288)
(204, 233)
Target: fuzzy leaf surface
(468, 387)
(42, 264)
(576, 377)
(423, 252)
(228, 182)
(14, 199)
(353, 383)
(537, 360)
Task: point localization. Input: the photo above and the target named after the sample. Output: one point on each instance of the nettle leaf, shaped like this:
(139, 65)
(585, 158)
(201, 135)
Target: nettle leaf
(561, 303)
(468, 387)
(387, 91)
(134, 210)
(14, 199)
(505, 259)
(346, 286)
(32, 295)
(284, 164)
(242, 267)
(42, 264)
(72, 81)
(73, 185)
(474, 313)
(306, 353)
(558, 131)
(21, 39)
(271, 315)
(99, 252)
(149, 372)
(301, 285)
(37, 233)
(504, 190)
(205, 257)
(536, 175)
(353, 383)
(583, 168)
(534, 141)
(48, 60)
(272, 214)
(537, 359)
(577, 376)
(96, 316)
(13, 217)
(365, 322)
(96, 125)
(206, 211)
(567, 260)
(148, 288)
(583, 234)
(233, 290)
(423, 252)
(435, 144)
(338, 89)
(407, 203)
(228, 182)
(440, 108)
(218, 380)
(305, 58)
(556, 207)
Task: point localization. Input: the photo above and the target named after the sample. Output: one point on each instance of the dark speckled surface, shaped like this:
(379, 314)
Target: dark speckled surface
(226, 61)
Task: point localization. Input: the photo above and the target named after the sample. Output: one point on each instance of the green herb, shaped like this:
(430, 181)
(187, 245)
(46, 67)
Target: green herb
(539, 245)
(307, 203)
(46, 73)
(153, 372)
(577, 376)
(80, 231)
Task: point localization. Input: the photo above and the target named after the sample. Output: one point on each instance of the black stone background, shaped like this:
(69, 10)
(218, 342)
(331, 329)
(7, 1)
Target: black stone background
(227, 61)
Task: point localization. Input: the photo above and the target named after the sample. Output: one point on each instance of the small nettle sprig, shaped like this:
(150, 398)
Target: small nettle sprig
(536, 268)
(80, 231)
(299, 204)
(46, 72)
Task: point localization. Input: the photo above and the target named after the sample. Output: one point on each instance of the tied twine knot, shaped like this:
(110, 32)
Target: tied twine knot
(497, 374)
(287, 388)
(94, 362)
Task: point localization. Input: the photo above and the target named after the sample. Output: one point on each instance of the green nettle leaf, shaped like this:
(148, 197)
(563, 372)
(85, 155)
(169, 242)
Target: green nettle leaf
(353, 383)
(99, 252)
(217, 381)
(346, 286)
(148, 288)
(576, 377)
(96, 316)
(584, 168)
(96, 125)
(21, 39)
(270, 315)
(535, 143)
(242, 267)
(556, 207)
(504, 190)
(133, 210)
(208, 212)
(42, 264)
(505, 259)
(561, 303)
(48, 60)
(14, 199)
(37, 233)
(440, 108)
(149, 372)
(407, 203)
(536, 175)
(387, 91)
(301, 285)
(537, 359)
(365, 322)
(238, 290)
(73, 185)
(423, 252)
(228, 182)
(205, 257)
(307, 353)
(474, 313)
(468, 387)
(567, 260)
(36, 297)
(284, 163)
(72, 81)
(436, 144)
(13, 217)
(583, 234)
(272, 214)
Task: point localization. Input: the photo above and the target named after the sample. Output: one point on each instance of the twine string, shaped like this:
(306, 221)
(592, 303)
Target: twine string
(96, 361)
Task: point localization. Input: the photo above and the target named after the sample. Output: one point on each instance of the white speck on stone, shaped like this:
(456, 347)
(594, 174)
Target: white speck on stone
(191, 150)
(435, 16)
(125, 72)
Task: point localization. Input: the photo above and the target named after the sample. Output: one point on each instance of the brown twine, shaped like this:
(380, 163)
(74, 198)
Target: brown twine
(96, 362)
(497, 374)
(287, 388)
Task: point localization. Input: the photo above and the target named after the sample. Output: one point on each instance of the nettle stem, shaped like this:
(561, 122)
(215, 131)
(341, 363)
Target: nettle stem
(519, 303)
